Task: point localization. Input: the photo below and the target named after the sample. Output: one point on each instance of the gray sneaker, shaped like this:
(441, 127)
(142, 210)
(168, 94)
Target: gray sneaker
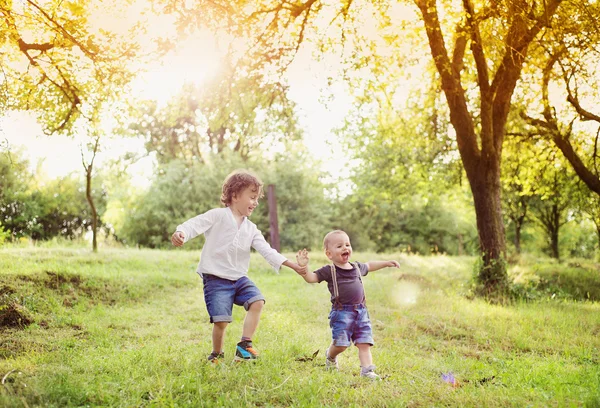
(369, 372)
(330, 364)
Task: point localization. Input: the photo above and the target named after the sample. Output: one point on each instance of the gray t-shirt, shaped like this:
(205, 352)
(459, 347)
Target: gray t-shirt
(350, 286)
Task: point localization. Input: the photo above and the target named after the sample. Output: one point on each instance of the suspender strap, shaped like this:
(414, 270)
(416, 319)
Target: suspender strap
(336, 290)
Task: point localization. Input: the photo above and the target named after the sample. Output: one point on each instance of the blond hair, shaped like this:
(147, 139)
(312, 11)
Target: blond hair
(329, 235)
(236, 182)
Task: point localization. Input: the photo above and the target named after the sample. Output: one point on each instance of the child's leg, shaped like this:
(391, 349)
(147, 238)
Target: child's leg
(333, 351)
(363, 337)
(364, 354)
(252, 319)
(244, 350)
(218, 336)
(218, 295)
(341, 322)
(248, 295)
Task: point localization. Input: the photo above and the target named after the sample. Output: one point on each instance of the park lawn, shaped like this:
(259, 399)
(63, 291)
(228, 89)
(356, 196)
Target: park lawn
(129, 328)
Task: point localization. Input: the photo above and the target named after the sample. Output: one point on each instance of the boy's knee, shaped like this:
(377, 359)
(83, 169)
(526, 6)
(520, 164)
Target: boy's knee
(221, 325)
(257, 306)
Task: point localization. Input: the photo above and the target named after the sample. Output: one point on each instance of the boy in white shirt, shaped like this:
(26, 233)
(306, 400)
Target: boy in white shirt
(226, 257)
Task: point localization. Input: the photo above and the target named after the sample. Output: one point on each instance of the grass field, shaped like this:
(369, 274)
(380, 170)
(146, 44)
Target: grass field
(129, 328)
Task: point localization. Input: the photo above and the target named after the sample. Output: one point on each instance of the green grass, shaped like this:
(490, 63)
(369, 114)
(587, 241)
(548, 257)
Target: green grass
(129, 328)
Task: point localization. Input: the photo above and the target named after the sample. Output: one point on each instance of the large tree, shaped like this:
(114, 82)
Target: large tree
(499, 37)
(58, 64)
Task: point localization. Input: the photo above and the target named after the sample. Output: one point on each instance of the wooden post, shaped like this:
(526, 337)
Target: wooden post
(273, 225)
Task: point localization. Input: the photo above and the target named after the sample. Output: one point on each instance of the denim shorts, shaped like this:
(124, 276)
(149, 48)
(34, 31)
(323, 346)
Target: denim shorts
(350, 324)
(221, 294)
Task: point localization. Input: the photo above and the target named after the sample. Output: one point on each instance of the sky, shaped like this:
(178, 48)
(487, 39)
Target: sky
(194, 60)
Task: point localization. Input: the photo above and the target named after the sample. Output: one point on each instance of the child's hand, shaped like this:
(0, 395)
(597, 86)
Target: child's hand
(302, 258)
(302, 270)
(178, 238)
(394, 264)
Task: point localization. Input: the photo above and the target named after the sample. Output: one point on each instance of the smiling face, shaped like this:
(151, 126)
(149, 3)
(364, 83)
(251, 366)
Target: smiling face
(338, 248)
(246, 201)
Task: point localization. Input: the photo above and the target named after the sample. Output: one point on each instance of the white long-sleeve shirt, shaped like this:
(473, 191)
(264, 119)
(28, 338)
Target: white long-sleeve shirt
(226, 252)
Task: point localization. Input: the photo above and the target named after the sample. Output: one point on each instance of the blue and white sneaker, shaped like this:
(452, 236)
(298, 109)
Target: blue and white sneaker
(245, 352)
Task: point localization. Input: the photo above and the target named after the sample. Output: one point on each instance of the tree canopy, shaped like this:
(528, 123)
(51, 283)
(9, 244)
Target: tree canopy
(58, 64)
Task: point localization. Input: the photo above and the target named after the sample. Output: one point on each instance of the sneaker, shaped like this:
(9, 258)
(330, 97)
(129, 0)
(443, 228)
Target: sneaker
(245, 352)
(215, 357)
(369, 372)
(330, 364)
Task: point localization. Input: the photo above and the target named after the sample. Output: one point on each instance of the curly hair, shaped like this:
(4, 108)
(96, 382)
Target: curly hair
(236, 182)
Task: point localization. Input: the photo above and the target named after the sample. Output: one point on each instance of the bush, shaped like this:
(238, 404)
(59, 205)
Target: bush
(542, 279)
(4, 235)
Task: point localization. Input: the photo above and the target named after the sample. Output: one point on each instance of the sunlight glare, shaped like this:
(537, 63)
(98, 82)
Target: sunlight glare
(406, 293)
(195, 60)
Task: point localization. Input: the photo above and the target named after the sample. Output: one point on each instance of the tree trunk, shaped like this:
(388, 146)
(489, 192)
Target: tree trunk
(485, 185)
(519, 221)
(461, 245)
(555, 226)
(90, 199)
(88, 190)
(550, 219)
(554, 245)
(517, 241)
(597, 231)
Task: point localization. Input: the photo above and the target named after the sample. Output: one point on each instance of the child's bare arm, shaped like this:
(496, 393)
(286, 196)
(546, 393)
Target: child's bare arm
(300, 270)
(376, 265)
(302, 259)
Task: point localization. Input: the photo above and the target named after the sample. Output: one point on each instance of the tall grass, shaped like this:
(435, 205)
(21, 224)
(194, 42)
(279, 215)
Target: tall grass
(129, 328)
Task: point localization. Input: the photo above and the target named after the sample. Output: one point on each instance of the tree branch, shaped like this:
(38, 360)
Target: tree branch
(451, 85)
(477, 49)
(64, 32)
(458, 54)
(23, 46)
(546, 75)
(483, 81)
(518, 39)
(584, 115)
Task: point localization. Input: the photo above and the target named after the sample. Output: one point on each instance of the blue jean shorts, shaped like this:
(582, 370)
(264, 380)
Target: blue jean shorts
(350, 324)
(221, 294)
